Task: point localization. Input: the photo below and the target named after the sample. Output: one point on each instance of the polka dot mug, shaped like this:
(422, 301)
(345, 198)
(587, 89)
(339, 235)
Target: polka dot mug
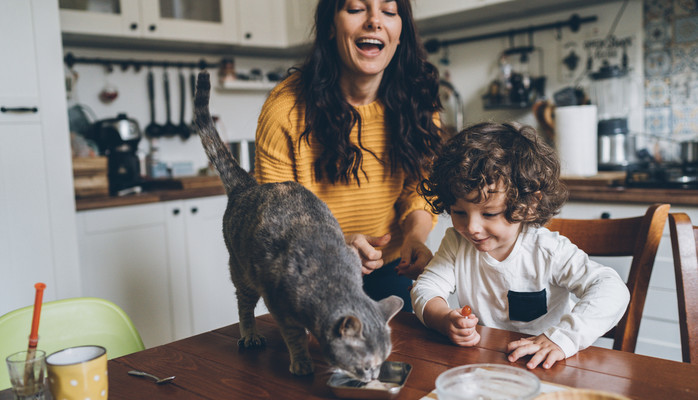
(78, 373)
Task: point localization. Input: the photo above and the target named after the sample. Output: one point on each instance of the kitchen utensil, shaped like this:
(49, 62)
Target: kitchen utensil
(182, 128)
(169, 129)
(392, 378)
(153, 129)
(192, 86)
(689, 151)
(153, 377)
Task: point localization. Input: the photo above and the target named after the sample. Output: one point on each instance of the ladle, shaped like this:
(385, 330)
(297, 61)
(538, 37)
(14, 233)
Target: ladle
(182, 128)
(153, 130)
(169, 129)
(153, 377)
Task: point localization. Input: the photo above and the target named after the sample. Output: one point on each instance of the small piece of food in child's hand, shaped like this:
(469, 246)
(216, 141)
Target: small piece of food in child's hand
(465, 311)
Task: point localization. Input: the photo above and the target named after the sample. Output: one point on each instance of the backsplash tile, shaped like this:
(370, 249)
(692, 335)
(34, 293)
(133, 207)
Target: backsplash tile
(671, 68)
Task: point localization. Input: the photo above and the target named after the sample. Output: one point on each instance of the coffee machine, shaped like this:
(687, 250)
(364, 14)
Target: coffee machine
(117, 138)
(610, 92)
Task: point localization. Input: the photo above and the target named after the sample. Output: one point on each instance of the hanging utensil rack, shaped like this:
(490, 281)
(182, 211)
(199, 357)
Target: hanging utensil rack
(70, 59)
(574, 22)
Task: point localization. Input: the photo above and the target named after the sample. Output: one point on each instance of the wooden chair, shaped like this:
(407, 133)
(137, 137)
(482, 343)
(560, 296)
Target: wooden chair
(637, 237)
(684, 246)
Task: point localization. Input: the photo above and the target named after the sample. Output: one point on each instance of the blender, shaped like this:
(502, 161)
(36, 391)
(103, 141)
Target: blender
(610, 87)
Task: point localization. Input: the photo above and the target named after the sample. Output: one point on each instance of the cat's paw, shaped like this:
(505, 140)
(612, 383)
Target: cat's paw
(304, 367)
(252, 341)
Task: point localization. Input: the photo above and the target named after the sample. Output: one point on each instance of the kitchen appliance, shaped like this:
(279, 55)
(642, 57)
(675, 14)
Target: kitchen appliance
(117, 138)
(610, 87)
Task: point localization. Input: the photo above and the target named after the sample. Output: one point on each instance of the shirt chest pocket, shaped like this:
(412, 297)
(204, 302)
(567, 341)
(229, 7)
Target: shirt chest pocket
(527, 306)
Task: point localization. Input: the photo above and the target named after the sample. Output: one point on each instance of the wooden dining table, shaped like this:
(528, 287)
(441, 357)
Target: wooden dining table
(211, 366)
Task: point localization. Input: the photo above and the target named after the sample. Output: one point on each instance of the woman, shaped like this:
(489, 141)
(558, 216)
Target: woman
(356, 124)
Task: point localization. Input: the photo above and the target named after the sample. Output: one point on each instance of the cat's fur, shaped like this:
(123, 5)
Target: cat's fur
(286, 247)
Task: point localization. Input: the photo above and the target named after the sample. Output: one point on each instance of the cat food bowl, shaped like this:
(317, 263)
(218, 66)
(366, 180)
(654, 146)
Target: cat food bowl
(487, 381)
(390, 381)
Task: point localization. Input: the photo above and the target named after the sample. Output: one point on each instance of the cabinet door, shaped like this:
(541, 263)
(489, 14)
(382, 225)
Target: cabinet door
(211, 21)
(26, 254)
(262, 23)
(124, 258)
(213, 301)
(300, 16)
(101, 17)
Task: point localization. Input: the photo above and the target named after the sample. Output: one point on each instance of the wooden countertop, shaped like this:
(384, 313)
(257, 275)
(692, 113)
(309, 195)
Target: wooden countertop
(146, 197)
(601, 188)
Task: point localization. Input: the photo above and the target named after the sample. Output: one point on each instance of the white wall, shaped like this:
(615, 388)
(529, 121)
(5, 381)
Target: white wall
(238, 110)
(474, 65)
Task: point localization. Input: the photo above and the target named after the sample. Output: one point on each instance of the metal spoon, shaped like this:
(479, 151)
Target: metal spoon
(157, 380)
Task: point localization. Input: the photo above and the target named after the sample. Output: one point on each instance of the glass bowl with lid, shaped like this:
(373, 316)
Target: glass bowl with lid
(487, 381)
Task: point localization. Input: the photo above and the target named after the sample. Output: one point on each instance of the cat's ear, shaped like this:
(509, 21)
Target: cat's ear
(389, 306)
(350, 327)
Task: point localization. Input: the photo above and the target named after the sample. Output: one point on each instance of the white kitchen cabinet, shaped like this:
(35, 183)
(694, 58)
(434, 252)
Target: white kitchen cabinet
(37, 227)
(429, 8)
(275, 23)
(209, 21)
(164, 263)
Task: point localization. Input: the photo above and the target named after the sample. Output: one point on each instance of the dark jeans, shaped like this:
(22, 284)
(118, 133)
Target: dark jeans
(385, 282)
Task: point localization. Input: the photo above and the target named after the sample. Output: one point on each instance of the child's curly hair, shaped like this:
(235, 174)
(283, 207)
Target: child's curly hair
(507, 154)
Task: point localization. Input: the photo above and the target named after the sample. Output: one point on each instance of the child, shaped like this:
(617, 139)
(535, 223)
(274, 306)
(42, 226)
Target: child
(501, 184)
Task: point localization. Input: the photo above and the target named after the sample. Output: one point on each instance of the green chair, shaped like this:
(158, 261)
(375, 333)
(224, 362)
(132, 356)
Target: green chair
(67, 323)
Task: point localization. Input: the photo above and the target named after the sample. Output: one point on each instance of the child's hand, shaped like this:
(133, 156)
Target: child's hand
(540, 346)
(460, 329)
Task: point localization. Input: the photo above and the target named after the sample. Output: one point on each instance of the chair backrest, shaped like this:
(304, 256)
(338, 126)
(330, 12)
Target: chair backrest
(67, 323)
(684, 246)
(637, 237)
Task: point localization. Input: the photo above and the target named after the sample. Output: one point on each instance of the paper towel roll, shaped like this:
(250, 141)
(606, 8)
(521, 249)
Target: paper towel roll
(576, 140)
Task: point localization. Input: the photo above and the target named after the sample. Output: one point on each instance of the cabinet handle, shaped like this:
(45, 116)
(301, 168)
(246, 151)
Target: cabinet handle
(134, 26)
(152, 28)
(175, 211)
(19, 109)
(605, 215)
(248, 35)
(194, 210)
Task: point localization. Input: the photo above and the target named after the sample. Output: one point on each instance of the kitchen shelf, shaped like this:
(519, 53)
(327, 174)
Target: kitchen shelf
(247, 86)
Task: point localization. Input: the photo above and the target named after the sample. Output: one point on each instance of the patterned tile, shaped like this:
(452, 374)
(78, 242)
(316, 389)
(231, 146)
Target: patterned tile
(686, 29)
(684, 89)
(685, 7)
(658, 8)
(657, 92)
(658, 120)
(658, 63)
(684, 120)
(657, 34)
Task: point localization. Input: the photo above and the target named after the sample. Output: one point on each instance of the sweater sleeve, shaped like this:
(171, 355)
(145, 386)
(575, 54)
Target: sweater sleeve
(274, 153)
(603, 298)
(439, 277)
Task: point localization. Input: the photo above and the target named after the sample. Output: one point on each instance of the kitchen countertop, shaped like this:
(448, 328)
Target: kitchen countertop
(602, 188)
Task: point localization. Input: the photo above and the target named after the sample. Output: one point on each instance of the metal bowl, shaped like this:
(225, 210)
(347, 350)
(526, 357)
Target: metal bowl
(391, 379)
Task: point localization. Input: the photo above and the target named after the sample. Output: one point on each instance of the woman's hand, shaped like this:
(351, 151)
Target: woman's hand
(371, 257)
(415, 256)
(540, 346)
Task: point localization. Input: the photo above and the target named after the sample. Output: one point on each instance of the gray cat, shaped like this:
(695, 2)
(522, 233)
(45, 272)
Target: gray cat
(286, 247)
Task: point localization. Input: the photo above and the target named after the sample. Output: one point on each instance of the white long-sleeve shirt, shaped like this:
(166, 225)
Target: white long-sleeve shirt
(530, 291)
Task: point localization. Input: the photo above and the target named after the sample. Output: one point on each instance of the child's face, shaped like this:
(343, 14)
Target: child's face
(484, 224)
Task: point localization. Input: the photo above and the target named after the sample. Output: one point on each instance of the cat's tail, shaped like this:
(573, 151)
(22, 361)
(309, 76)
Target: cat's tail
(233, 176)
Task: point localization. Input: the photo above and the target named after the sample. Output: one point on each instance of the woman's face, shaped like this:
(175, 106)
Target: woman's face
(367, 34)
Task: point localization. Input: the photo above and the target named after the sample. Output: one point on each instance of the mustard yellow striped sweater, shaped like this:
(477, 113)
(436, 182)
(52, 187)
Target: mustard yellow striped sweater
(377, 207)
